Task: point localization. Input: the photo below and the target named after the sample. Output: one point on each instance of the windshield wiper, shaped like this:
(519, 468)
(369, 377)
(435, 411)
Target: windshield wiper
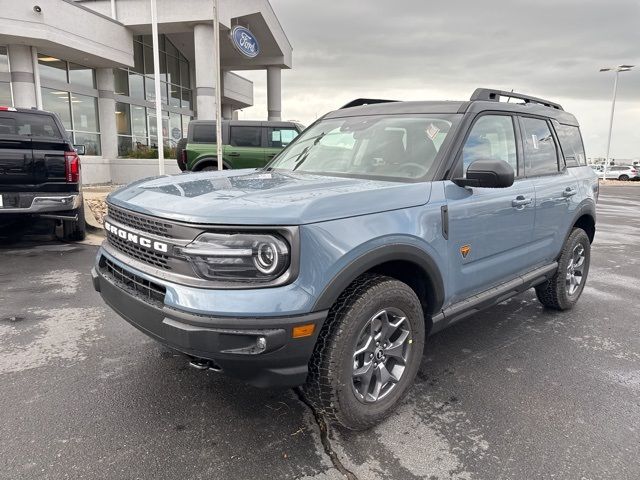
(304, 154)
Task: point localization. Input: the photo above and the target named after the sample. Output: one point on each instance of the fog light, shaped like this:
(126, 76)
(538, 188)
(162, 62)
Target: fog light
(261, 344)
(303, 330)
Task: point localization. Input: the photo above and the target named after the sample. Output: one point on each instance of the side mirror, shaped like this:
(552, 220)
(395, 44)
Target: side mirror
(487, 174)
(80, 150)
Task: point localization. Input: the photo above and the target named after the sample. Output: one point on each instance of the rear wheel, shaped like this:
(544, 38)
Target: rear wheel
(624, 178)
(368, 352)
(562, 291)
(75, 230)
(182, 143)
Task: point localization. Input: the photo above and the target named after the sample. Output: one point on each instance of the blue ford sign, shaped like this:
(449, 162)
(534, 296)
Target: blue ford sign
(244, 41)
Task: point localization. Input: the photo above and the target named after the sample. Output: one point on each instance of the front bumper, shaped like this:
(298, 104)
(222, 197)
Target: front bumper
(29, 203)
(257, 350)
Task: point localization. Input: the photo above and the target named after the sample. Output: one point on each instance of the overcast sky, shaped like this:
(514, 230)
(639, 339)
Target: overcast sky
(424, 50)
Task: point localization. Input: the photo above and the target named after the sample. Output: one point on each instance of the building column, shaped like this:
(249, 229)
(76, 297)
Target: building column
(227, 111)
(274, 93)
(205, 61)
(22, 78)
(107, 113)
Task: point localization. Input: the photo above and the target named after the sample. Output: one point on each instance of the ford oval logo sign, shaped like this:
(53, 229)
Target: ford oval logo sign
(245, 42)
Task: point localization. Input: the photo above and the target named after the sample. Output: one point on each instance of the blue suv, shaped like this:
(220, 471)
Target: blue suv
(382, 223)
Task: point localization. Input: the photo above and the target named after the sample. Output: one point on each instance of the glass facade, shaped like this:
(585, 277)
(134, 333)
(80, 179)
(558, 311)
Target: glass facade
(70, 90)
(78, 111)
(135, 115)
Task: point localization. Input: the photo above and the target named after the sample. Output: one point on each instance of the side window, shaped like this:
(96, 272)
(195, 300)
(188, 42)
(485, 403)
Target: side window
(491, 137)
(245, 136)
(571, 143)
(540, 154)
(204, 133)
(280, 137)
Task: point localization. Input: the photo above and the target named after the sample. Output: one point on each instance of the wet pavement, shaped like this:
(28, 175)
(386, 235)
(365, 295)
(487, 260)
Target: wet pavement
(515, 392)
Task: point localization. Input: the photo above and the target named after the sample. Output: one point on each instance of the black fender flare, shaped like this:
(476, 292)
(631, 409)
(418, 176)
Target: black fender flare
(588, 207)
(378, 256)
(214, 160)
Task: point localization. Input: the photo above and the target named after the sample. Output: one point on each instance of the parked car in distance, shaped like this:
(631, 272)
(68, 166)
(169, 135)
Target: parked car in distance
(39, 171)
(384, 222)
(246, 144)
(621, 172)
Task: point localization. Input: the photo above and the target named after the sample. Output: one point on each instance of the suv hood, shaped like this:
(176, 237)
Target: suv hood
(258, 197)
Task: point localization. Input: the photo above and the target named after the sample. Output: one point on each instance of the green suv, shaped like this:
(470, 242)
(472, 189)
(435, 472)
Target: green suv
(246, 144)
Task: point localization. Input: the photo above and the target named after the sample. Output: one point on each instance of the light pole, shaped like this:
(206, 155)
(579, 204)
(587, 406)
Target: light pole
(216, 39)
(156, 70)
(617, 70)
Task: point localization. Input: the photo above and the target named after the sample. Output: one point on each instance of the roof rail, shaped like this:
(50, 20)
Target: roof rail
(491, 95)
(364, 101)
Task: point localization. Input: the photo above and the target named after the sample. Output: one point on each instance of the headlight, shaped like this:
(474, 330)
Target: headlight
(238, 257)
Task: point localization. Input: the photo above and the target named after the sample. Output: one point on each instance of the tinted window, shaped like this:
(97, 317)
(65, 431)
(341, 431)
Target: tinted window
(204, 133)
(245, 136)
(281, 137)
(12, 123)
(540, 154)
(571, 143)
(491, 138)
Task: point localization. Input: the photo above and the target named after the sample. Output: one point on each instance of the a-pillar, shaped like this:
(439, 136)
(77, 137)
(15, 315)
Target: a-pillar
(22, 78)
(274, 93)
(206, 57)
(107, 113)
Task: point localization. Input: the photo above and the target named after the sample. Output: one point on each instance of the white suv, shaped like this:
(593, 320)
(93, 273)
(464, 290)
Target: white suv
(622, 172)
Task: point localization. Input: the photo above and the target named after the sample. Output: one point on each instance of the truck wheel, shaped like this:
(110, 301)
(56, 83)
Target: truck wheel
(561, 292)
(74, 231)
(368, 352)
(179, 148)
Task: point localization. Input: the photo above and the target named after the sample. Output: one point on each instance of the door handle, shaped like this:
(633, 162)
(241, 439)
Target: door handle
(569, 192)
(234, 154)
(521, 201)
(271, 155)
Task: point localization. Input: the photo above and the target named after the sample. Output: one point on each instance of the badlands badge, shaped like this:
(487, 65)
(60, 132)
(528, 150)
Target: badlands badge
(464, 250)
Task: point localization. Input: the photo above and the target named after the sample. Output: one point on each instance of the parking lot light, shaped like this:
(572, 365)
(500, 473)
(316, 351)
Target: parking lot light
(617, 70)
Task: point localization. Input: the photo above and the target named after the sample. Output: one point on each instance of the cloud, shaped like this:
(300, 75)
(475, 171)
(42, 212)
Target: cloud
(414, 49)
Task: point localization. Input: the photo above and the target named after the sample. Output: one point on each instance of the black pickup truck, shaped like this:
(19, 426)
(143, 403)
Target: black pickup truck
(39, 171)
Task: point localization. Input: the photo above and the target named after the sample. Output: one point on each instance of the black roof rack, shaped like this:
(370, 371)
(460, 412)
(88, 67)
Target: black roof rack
(365, 101)
(491, 95)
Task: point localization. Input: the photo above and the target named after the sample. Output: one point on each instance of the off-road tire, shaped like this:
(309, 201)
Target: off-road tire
(209, 168)
(74, 231)
(553, 293)
(182, 143)
(329, 387)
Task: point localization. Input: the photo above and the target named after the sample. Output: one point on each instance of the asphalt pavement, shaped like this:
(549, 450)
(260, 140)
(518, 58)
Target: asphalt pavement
(515, 392)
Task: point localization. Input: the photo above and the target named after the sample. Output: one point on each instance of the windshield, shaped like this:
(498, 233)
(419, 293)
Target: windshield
(397, 147)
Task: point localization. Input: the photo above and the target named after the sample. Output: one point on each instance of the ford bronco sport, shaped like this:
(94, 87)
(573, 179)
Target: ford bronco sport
(245, 144)
(382, 223)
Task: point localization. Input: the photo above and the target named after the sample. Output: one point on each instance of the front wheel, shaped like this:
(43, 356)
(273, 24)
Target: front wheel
(562, 291)
(368, 352)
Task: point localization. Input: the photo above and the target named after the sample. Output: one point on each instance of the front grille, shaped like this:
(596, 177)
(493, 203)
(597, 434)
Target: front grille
(148, 291)
(150, 257)
(140, 222)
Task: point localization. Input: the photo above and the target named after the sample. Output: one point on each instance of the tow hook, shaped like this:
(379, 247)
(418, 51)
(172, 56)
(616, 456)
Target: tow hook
(202, 364)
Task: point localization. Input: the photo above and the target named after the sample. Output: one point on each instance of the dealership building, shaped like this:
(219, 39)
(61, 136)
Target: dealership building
(91, 62)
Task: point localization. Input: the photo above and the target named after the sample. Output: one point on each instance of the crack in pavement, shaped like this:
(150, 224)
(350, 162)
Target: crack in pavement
(324, 437)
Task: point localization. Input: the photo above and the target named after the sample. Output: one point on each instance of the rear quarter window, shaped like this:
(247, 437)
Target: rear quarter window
(29, 125)
(204, 134)
(571, 144)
